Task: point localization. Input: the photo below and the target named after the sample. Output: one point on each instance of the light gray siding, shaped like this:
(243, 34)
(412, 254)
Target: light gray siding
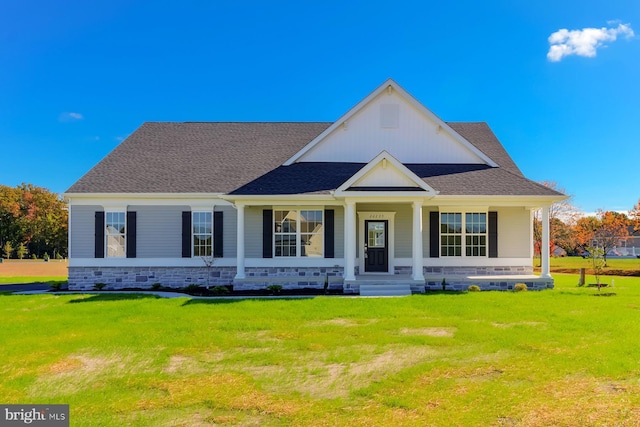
(159, 231)
(83, 230)
(338, 230)
(253, 231)
(514, 233)
(230, 231)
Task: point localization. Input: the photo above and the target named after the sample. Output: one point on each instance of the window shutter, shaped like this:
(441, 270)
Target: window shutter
(99, 235)
(217, 234)
(267, 233)
(434, 234)
(131, 235)
(329, 240)
(493, 234)
(186, 234)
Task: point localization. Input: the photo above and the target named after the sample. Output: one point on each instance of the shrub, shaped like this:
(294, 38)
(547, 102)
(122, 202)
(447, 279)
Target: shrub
(56, 286)
(220, 290)
(192, 289)
(474, 288)
(520, 287)
(33, 256)
(275, 288)
(45, 256)
(156, 286)
(98, 286)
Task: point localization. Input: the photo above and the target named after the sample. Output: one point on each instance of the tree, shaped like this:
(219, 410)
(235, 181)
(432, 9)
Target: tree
(603, 231)
(562, 218)
(7, 250)
(634, 216)
(34, 216)
(21, 251)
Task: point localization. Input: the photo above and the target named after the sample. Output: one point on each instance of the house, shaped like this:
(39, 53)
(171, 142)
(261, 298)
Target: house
(388, 194)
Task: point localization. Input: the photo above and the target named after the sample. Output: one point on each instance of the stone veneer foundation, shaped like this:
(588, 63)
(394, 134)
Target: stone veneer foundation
(456, 278)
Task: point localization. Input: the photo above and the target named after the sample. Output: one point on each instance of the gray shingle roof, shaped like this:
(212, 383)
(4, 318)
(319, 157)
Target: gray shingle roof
(195, 157)
(246, 158)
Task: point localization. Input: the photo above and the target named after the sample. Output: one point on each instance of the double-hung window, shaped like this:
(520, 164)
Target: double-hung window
(463, 234)
(202, 229)
(115, 233)
(298, 233)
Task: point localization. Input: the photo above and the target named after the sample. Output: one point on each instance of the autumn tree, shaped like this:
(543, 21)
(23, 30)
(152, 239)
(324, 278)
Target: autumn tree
(634, 216)
(603, 231)
(35, 217)
(562, 218)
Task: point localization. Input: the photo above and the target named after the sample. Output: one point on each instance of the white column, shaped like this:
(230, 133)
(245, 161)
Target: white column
(544, 249)
(240, 244)
(417, 262)
(350, 241)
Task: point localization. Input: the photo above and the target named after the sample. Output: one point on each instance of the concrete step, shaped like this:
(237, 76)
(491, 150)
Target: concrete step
(386, 290)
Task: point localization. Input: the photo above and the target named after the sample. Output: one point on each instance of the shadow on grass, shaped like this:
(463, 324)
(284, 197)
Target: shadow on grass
(223, 300)
(113, 297)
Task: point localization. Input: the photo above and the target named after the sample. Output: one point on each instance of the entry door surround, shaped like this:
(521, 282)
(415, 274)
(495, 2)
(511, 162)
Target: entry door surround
(388, 217)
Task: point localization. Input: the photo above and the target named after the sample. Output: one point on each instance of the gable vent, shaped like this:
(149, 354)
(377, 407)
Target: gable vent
(389, 116)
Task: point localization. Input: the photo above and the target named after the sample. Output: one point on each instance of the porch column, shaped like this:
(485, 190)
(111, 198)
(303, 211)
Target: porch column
(417, 262)
(350, 241)
(240, 244)
(544, 250)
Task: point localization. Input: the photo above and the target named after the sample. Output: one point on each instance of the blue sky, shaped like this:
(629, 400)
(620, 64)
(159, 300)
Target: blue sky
(77, 77)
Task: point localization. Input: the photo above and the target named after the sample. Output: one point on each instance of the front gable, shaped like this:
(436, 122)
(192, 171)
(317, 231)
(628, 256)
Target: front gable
(385, 174)
(391, 120)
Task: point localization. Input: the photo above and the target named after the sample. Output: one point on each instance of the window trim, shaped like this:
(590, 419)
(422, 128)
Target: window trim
(107, 234)
(298, 231)
(463, 235)
(193, 233)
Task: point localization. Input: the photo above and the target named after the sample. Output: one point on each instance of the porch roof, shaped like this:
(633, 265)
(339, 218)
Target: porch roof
(447, 179)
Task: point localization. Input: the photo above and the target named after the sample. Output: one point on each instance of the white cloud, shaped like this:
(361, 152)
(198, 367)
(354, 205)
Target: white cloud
(70, 117)
(584, 42)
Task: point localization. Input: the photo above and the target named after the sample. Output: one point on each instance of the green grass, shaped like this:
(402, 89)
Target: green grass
(560, 357)
(615, 265)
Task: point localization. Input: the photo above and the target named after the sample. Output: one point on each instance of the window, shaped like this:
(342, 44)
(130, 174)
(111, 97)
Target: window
(298, 233)
(202, 227)
(463, 234)
(115, 233)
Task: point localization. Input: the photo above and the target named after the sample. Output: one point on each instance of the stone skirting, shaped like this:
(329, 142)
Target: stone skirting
(85, 278)
(462, 284)
(477, 271)
(290, 278)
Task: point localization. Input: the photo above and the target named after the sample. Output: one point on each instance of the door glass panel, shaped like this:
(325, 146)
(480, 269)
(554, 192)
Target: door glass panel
(375, 234)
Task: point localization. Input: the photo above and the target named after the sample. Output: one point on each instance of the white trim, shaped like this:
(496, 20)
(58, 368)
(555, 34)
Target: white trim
(69, 228)
(373, 216)
(390, 84)
(463, 234)
(197, 262)
(416, 241)
(298, 232)
(475, 262)
(240, 260)
(106, 234)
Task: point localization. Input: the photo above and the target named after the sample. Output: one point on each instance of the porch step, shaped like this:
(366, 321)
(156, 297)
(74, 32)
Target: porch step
(385, 289)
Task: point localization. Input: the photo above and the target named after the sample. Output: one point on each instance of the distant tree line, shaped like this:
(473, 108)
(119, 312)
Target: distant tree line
(33, 223)
(577, 234)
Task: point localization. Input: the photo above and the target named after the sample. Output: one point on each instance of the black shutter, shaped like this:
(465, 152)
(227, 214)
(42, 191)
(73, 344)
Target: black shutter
(267, 233)
(329, 240)
(493, 234)
(434, 234)
(131, 235)
(99, 235)
(217, 234)
(186, 234)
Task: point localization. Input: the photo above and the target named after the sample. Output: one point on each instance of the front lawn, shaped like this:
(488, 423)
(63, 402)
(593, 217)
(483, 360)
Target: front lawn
(557, 357)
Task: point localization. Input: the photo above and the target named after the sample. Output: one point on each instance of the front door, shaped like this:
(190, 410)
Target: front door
(376, 246)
